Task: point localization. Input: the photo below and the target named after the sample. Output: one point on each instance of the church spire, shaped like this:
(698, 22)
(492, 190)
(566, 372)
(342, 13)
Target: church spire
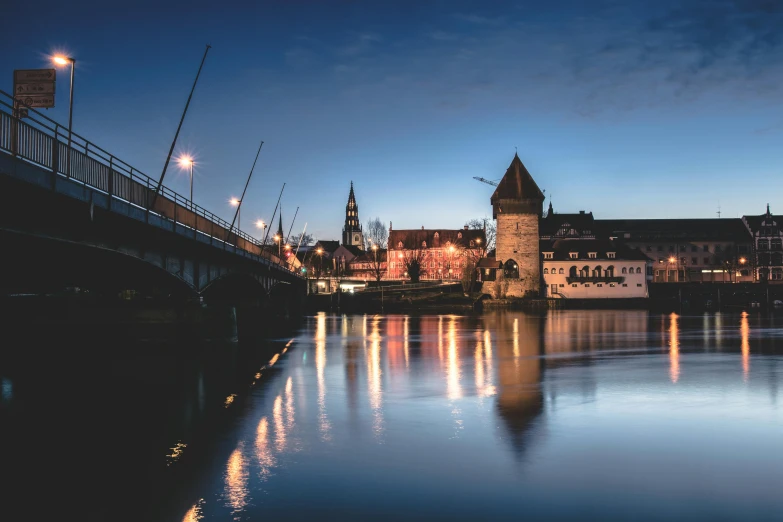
(352, 231)
(280, 225)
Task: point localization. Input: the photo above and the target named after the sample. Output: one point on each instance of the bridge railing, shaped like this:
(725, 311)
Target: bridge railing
(44, 142)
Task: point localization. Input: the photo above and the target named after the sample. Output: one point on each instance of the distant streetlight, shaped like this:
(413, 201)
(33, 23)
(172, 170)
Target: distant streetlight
(65, 60)
(279, 241)
(261, 225)
(237, 203)
(187, 162)
(451, 252)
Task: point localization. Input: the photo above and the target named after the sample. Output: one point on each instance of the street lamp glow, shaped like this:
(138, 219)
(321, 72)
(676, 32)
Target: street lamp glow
(742, 260)
(672, 260)
(260, 224)
(61, 60)
(185, 161)
(277, 238)
(319, 251)
(234, 201)
(375, 247)
(451, 249)
(287, 246)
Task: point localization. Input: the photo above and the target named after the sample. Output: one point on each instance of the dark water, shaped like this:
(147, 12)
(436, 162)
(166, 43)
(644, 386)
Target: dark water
(594, 415)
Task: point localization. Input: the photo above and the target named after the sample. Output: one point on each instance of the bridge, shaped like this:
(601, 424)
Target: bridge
(79, 216)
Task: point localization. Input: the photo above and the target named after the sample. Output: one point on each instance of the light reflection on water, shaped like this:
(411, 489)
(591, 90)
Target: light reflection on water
(571, 413)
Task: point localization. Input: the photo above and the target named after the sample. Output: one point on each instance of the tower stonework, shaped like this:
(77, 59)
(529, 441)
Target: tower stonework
(517, 205)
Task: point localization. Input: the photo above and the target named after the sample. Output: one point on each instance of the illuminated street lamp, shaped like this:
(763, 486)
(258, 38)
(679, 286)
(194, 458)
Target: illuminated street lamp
(237, 203)
(261, 225)
(451, 252)
(63, 61)
(187, 162)
(279, 242)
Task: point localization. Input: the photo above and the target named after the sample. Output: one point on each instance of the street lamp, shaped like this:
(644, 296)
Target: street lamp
(451, 252)
(376, 268)
(237, 203)
(65, 60)
(278, 240)
(671, 260)
(260, 224)
(187, 162)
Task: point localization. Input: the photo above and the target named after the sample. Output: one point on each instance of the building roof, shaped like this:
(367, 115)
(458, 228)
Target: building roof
(413, 238)
(369, 257)
(562, 249)
(556, 225)
(489, 262)
(714, 229)
(328, 245)
(754, 222)
(517, 183)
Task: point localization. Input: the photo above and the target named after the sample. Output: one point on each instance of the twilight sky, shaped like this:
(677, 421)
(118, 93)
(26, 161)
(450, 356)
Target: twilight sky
(628, 108)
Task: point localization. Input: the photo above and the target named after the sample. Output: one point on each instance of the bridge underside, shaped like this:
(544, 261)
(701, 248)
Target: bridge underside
(53, 240)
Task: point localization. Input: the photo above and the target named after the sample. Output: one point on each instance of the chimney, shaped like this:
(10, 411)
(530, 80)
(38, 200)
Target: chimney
(422, 227)
(466, 227)
(581, 211)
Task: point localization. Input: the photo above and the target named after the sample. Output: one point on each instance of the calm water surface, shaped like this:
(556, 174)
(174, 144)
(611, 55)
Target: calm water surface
(594, 415)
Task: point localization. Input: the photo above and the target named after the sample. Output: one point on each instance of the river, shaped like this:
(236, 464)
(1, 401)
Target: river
(570, 415)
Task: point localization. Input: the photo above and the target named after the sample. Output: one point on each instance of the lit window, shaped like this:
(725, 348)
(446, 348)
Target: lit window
(548, 255)
(610, 255)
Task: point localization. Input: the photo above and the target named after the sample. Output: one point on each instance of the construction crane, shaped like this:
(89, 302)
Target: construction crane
(488, 182)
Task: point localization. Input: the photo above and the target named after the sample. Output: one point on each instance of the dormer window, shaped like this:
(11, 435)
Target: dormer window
(592, 255)
(573, 255)
(610, 255)
(459, 235)
(423, 244)
(548, 255)
(399, 245)
(472, 243)
(436, 236)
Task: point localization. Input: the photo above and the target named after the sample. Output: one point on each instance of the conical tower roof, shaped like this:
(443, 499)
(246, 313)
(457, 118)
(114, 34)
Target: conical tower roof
(517, 183)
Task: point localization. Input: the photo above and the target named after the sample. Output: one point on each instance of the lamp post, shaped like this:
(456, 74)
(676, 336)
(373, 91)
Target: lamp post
(376, 268)
(320, 252)
(65, 60)
(742, 262)
(671, 260)
(279, 241)
(187, 162)
(260, 224)
(451, 253)
(237, 203)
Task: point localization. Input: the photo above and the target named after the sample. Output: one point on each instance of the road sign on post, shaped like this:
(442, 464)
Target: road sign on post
(34, 87)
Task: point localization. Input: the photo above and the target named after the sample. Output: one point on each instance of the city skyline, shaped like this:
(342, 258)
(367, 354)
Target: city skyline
(625, 110)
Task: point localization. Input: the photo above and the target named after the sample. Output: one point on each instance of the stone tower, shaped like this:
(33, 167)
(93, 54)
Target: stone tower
(517, 205)
(352, 231)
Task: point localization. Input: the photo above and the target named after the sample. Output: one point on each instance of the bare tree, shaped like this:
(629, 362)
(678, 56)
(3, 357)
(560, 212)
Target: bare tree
(377, 258)
(491, 230)
(307, 239)
(375, 233)
(414, 257)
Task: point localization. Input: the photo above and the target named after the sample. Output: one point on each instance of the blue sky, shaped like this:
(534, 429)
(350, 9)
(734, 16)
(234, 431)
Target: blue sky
(629, 109)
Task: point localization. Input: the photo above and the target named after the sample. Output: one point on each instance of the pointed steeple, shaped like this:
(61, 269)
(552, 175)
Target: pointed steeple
(517, 191)
(767, 208)
(280, 226)
(550, 211)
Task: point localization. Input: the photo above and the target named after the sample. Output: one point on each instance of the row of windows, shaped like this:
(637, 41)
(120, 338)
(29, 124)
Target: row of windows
(608, 271)
(424, 243)
(587, 285)
(742, 249)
